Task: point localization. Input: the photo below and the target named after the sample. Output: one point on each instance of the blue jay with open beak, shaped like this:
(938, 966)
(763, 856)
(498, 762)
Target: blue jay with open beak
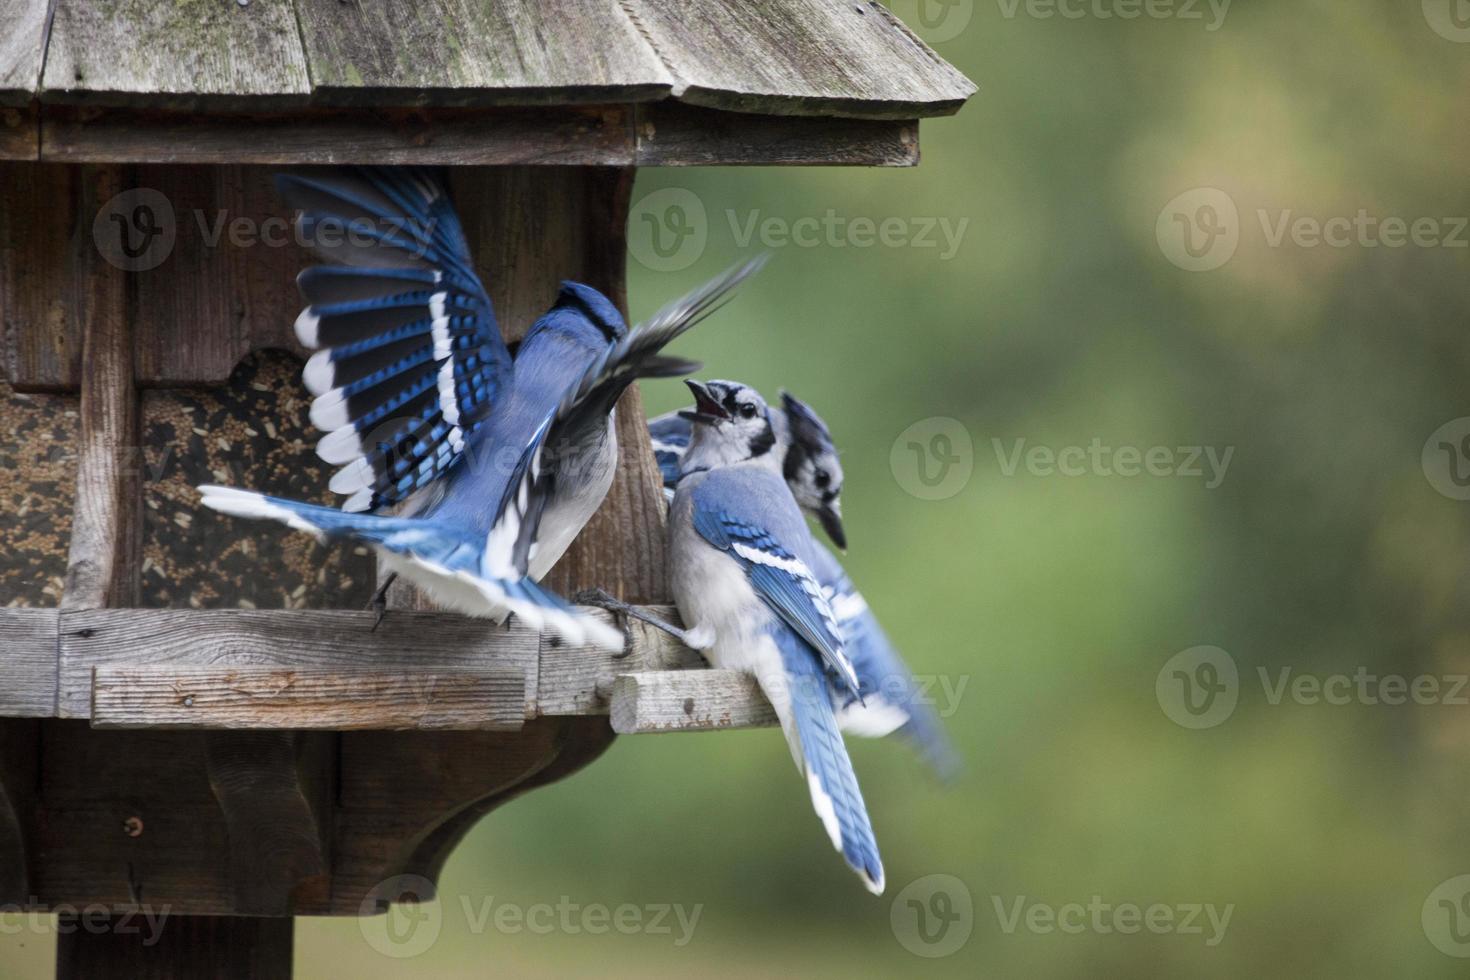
(890, 697)
(494, 464)
(741, 573)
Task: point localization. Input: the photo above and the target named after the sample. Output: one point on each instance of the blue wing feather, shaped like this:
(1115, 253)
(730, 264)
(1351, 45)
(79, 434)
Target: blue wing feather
(784, 583)
(411, 357)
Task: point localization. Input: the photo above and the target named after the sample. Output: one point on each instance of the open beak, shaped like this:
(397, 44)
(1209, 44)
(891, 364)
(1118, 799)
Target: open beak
(707, 408)
(830, 514)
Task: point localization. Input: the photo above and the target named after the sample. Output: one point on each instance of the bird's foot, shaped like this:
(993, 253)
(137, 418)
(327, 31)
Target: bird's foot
(602, 600)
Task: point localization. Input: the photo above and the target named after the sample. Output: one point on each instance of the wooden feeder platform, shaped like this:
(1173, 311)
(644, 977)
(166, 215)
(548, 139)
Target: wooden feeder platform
(186, 721)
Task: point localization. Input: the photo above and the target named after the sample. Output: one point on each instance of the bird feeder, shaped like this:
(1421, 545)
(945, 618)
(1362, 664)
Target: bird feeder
(196, 714)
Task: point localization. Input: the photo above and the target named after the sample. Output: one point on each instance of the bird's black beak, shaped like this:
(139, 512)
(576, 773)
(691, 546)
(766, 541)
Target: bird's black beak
(707, 408)
(830, 514)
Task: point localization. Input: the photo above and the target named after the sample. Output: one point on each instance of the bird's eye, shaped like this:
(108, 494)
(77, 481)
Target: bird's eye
(747, 410)
(823, 478)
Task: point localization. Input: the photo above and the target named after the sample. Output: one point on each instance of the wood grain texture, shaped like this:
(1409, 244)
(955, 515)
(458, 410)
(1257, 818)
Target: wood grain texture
(579, 680)
(688, 701)
(19, 780)
(193, 54)
(273, 803)
(572, 136)
(22, 43)
(28, 653)
(102, 561)
(217, 947)
(45, 252)
(285, 639)
(671, 134)
(20, 133)
(308, 698)
(456, 52)
(232, 266)
(665, 134)
(799, 57)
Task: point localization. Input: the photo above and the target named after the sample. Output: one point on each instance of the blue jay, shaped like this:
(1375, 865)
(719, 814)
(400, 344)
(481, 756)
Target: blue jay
(808, 459)
(741, 571)
(494, 464)
(889, 694)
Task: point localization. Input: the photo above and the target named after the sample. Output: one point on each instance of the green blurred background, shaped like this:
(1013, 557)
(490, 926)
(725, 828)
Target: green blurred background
(1056, 600)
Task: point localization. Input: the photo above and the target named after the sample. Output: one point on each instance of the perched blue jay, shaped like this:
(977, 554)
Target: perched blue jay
(741, 571)
(890, 698)
(495, 464)
(808, 459)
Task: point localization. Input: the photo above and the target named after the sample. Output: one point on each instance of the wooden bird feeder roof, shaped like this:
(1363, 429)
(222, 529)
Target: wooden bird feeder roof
(572, 82)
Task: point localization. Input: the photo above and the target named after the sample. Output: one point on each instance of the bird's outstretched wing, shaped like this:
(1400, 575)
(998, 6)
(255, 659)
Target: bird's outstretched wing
(448, 560)
(409, 357)
(585, 405)
(785, 584)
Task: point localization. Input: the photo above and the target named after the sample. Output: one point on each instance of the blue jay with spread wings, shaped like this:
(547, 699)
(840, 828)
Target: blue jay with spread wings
(741, 570)
(890, 696)
(493, 464)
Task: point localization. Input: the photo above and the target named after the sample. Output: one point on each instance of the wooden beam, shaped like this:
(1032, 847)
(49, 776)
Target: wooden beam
(19, 779)
(218, 947)
(309, 698)
(101, 566)
(278, 844)
(280, 639)
(688, 701)
(28, 663)
(652, 134)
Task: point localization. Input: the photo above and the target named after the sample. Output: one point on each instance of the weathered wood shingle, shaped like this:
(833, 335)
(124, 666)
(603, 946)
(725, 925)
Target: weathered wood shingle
(468, 52)
(799, 57)
(783, 57)
(22, 40)
(185, 54)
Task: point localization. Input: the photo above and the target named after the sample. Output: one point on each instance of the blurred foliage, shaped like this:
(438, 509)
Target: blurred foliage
(1055, 599)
